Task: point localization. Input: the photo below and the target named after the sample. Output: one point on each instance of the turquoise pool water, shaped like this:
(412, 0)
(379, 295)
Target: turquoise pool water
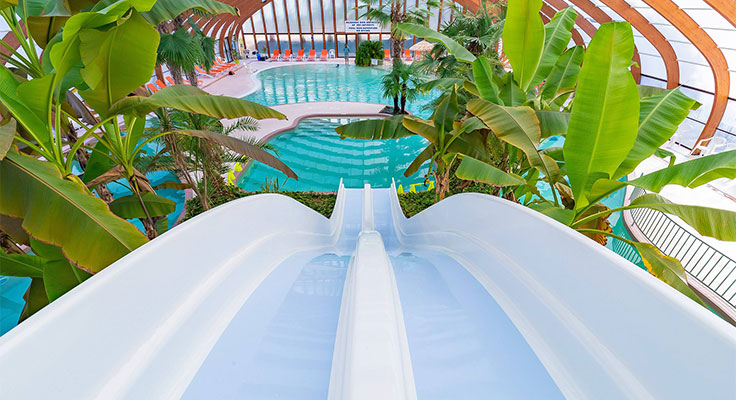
(320, 158)
(324, 82)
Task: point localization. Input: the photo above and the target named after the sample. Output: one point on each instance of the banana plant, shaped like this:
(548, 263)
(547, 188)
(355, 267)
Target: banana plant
(609, 130)
(105, 53)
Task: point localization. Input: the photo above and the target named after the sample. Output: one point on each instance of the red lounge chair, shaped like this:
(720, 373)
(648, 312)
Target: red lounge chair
(323, 57)
(160, 84)
(220, 63)
(276, 55)
(311, 55)
(407, 55)
(152, 88)
(386, 54)
(287, 55)
(300, 55)
(203, 72)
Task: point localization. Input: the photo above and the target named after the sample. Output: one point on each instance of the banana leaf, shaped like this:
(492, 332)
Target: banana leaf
(659, 118)
(7, 135)
(476, 170)
(59, 276)
(552, 123)
(425, 155)
(22, 265)
(129, 207)
(557, 34)
(90, 235)
(194, 100)
(164, 10)
(242, 147)
(523, 40)
(712, 222)
(510, 93)
(483, 76)
(691, 173)
(377, 128)
(605, 114)
(116, 61)
(453, 47)
(564, 75)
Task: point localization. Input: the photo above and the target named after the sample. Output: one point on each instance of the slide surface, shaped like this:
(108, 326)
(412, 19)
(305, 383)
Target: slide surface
(473, 298)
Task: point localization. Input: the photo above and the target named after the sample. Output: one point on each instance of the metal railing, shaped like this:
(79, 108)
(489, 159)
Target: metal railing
(709, 266)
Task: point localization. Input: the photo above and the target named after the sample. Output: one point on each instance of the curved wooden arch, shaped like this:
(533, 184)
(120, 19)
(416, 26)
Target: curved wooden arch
(708, 48)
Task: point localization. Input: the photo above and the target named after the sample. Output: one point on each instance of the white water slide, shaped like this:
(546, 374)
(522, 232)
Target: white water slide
(474, 298)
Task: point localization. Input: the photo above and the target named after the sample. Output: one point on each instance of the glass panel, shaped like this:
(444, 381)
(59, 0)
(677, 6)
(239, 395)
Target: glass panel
(280, 15)
(340, 14)
(304, 10)
(267, 12)
(328, 11)
(293, 17)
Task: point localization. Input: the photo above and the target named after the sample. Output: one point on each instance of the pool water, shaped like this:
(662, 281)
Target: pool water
(320, 158)
(328, 82)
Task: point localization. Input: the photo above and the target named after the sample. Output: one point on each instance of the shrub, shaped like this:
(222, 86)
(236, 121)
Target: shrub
(367, 50)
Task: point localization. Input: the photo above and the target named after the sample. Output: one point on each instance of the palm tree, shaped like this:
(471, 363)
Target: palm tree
(391, 84)
(181, 51)
(392, 13)
(410, 84)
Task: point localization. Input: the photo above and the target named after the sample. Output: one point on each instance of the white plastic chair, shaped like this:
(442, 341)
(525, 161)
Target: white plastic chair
(711, 146)
(331, 53)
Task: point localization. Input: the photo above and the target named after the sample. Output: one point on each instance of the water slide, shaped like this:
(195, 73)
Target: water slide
(474, 298)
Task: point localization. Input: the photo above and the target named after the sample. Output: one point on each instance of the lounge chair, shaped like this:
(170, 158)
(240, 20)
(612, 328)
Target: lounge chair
(323, 57)
(300, 55)
(331, 54)
(160, 84)
(287, 55)
(387, 54)
(407, 55)
(219, 62)
(152, 88)
(186, 82)
(311, 55)
(276, 55)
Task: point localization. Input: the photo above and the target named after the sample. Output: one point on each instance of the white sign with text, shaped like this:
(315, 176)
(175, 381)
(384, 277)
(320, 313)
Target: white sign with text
(362, 26)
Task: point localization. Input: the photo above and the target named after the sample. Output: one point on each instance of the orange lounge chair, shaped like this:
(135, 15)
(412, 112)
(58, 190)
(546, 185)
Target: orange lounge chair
(323, 57)
(407, 55)
(152, 88)
(203, 72)
(287, 55)
(170, 80)
(160, 84)
(300, 55)
(311, 55)
(219, 62)
(386, 54)
(276, 55)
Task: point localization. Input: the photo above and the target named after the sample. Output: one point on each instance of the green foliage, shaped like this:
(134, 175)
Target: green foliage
(523, 38)
(366, 51)
(323, 203)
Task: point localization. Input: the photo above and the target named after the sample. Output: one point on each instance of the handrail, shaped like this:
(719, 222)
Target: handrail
(709, 266)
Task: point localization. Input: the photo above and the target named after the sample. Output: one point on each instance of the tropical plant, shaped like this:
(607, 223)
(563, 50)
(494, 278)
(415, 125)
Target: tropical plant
(104, 52)
(403, 83)
(392, 13)
(608, 130)
(368, 50)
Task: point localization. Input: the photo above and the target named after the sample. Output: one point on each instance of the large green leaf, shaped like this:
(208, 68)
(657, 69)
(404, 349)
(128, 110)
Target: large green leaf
(713, 222)
(605, 113)
(192, 99)
(523, 39)
(378, 128)
(59, 276)
(129, 207)
(483, 76)
(22, 113)
(691, 173)
(475, 170)
(553, 123)
(23, 265)
(453, 47)
(425, 155)
(564, 75)
(117, 61)
(446, 112)
(249, 150)
(89, 234)
(7, 134)
(35, 298)
(43, 29)
(99, 162)
(667, 269)
(510, 93)
(423, 128)
(659, 118)
(519, 127)
(164, 10)
(557, 34)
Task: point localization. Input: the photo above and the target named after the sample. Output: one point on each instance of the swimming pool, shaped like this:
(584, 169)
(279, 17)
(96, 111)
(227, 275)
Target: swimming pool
(328, 82)
(320, 158)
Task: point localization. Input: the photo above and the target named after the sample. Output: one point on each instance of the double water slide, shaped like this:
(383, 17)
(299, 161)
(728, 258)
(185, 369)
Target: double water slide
(474, 298)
